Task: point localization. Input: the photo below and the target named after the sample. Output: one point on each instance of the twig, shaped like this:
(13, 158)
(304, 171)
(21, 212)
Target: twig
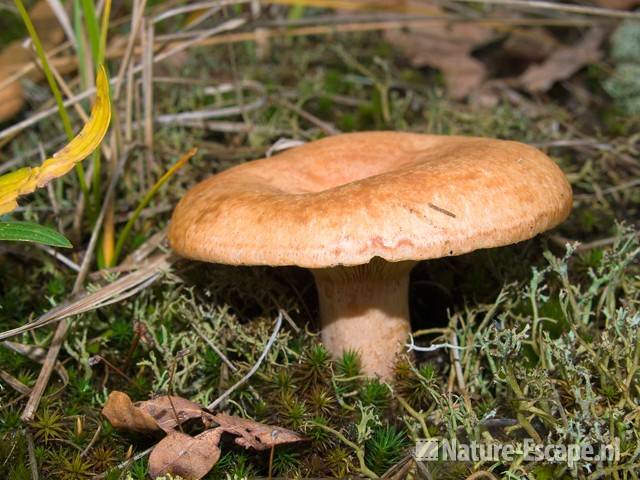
(254, 369)
(250, 36)
(172, 374)
(213, 346)
(455, 356)
(411, 346)
(126, 463)
(66, 90)
(136, 22)
(93, 440)
(33, 462)
(96, 359)
(191, 7)
(200, 115)
(117, 291)
(560, 7)
(122, 238)
(417, 416)
(61, 14)
(14, 383)
(84, 267)
(583, 247)
(232, 24)
(424, 470)
(128, 108)
(283, 144)
(45, 372)
(36, 354)
(290, 321)
(326, 127)
(10, 404)
(18, 127)
(144, 250)
(359, 451)
(63, 326)
(60, 257)
(403, 468)
(146, 34)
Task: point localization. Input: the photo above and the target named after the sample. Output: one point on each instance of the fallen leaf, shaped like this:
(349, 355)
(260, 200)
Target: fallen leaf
(169, 412)
(14, 56)
(161, 413)
(564, 62)
(186, 456)
(166, 413)
(124, 415)
(179, 453)
(529, 44)
(448, 48)
(11, 100)
(253, 434)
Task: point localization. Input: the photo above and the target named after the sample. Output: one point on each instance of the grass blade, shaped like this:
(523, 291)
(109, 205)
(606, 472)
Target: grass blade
(93, 30)
(32, 232)
(104, 29)
(122, 238)
(53, 85)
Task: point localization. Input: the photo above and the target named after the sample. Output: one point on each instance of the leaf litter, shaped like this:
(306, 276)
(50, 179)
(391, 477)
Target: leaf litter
(564, 62)
(179, 453)
(184, 455)
(446, 46)
(450, 46)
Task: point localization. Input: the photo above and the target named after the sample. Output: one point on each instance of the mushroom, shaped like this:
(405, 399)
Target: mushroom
(360, 210)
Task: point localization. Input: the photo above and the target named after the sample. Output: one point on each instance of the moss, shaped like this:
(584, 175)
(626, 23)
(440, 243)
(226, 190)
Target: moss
(541, 335)
(385, 448)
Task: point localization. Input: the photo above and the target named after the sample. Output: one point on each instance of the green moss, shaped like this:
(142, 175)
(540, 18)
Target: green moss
(540, 336)
(385, 448)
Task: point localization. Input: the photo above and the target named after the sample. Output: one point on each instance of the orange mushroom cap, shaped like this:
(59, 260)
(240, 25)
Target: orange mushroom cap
(346, 199)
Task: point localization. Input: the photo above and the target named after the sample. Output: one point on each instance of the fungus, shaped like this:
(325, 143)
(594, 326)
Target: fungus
(360, 210)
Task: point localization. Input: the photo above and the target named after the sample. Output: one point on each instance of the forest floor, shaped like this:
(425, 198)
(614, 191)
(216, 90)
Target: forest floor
(549, 328)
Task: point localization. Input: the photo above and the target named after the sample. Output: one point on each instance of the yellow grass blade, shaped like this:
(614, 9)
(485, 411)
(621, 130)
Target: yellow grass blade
(26, 180)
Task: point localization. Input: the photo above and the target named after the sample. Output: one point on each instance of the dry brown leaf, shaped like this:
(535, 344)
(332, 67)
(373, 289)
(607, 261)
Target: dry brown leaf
(11, 100)
(160, 413)
(564, 62)
(15, 56)
(447, 47)
(529, 44)
(124, 415)
(253, 434)
(189, 457)
(179, 453)
(168, 412)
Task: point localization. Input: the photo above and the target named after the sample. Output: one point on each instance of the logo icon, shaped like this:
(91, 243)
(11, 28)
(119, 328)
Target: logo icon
(427, 450)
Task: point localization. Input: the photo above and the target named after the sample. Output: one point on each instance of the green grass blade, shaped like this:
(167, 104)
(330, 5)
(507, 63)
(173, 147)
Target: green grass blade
(80, 43)
(53, 85)
(32, 232)
(93, 29)
(104, 29)
(124, 234)
(66, 122)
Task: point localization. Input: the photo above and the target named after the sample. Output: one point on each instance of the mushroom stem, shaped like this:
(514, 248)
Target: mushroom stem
(366, 308)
